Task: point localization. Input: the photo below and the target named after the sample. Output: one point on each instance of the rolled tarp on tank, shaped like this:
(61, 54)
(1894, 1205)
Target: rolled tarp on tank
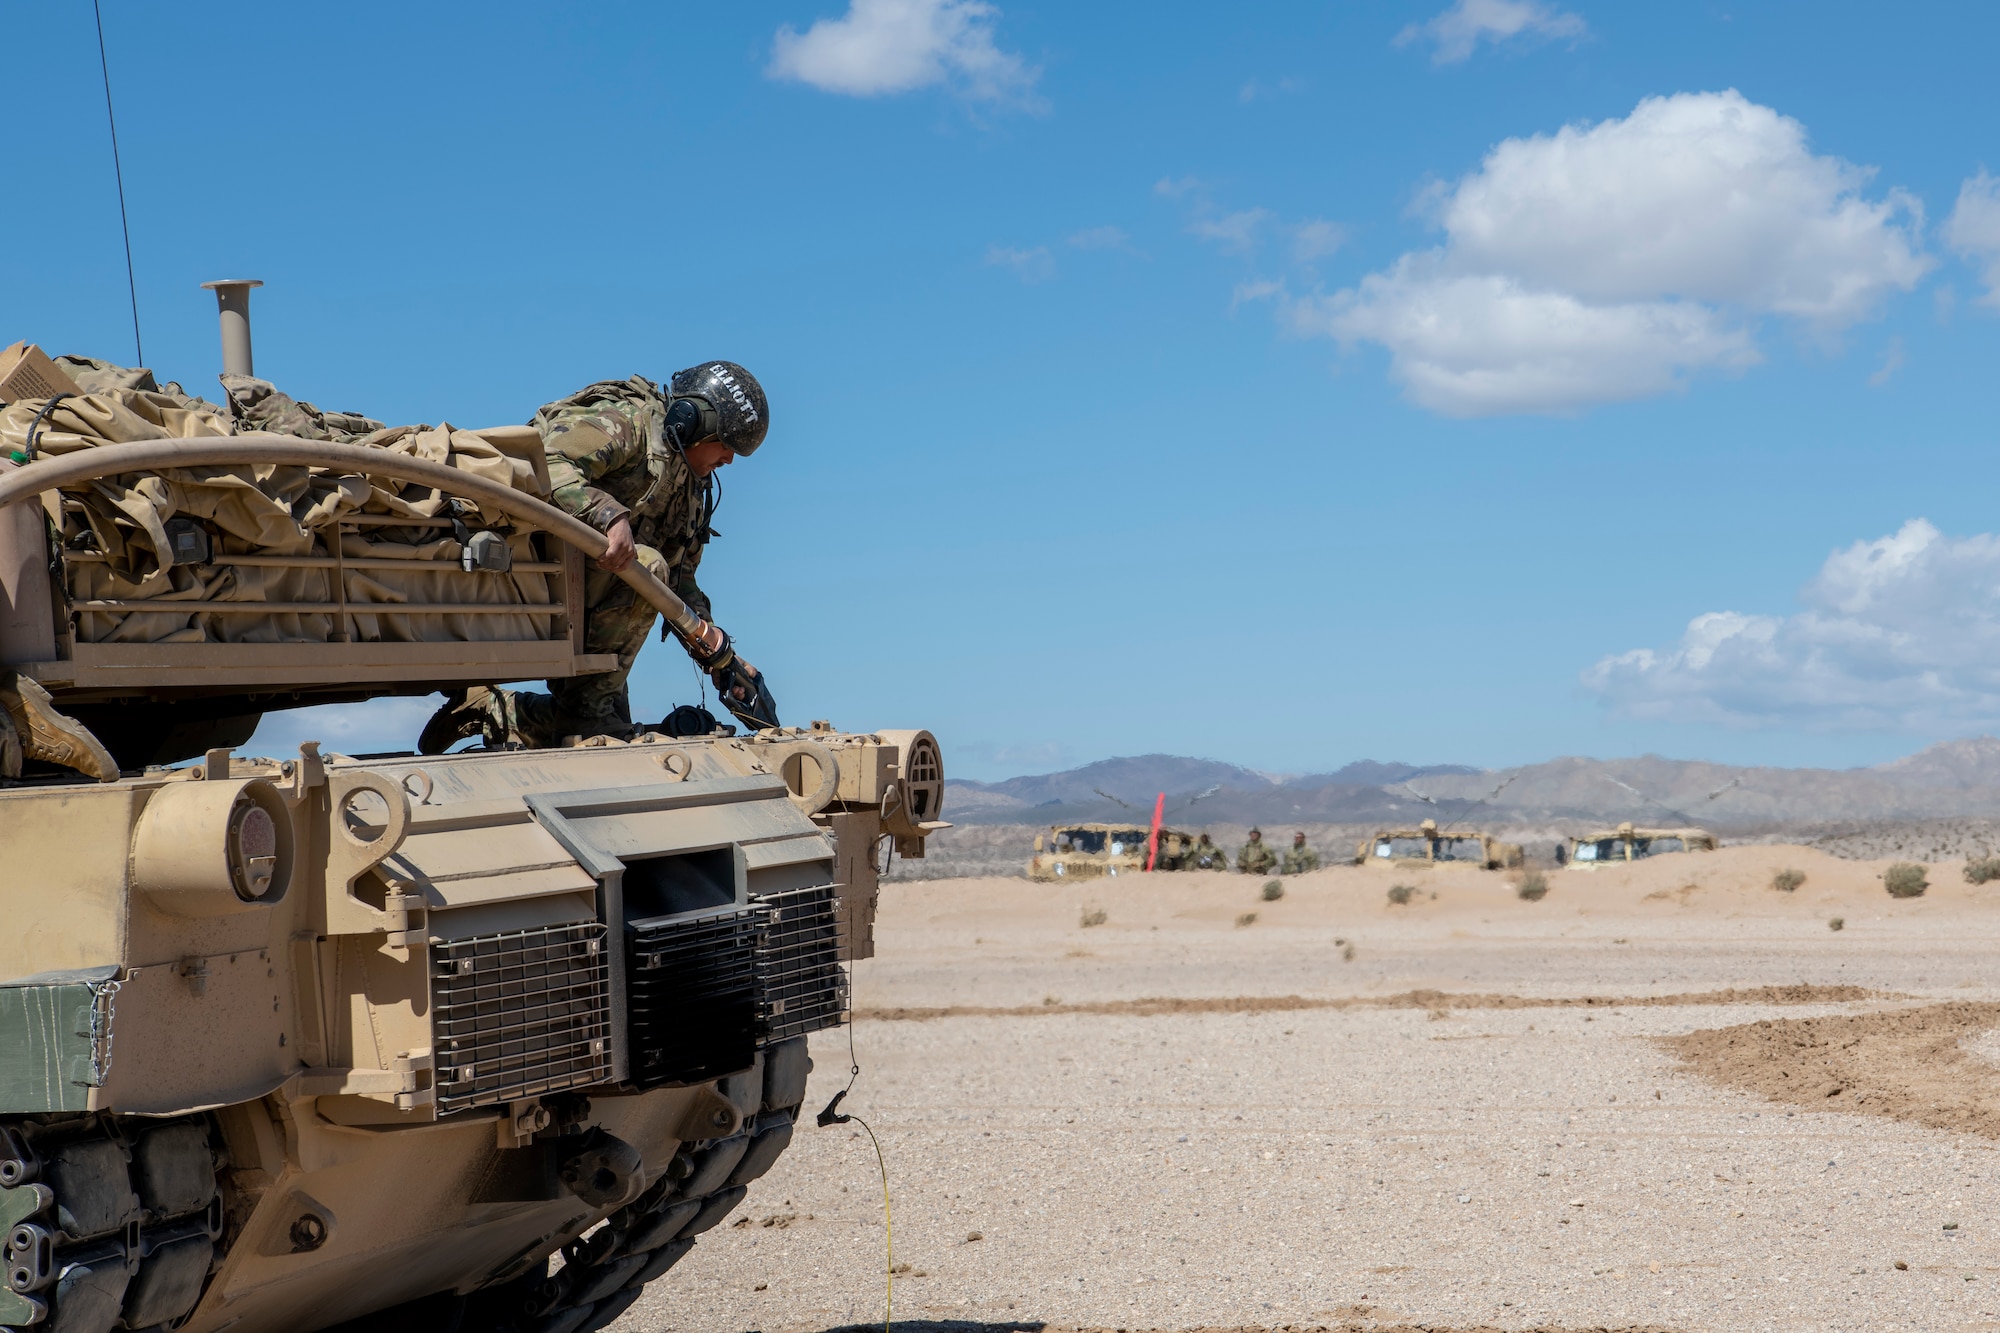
(78, 469)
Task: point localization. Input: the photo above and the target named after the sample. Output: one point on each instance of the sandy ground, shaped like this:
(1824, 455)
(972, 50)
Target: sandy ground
(1453, 1114)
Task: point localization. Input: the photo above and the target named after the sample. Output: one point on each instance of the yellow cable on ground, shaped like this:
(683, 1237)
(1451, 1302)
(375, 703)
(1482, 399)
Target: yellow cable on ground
(888, 1230)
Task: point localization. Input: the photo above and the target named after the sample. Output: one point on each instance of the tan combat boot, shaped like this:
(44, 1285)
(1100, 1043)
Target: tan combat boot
(45, 734)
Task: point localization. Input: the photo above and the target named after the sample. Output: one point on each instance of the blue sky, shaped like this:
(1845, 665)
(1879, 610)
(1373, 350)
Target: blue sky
(1473, 381)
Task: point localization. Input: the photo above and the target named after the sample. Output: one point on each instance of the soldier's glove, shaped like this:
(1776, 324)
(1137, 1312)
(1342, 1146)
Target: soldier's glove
(746, 694)
(710, 662)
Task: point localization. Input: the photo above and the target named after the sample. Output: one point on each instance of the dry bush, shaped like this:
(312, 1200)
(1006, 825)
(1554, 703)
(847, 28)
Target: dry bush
(1095, 916)
(1273, 890)
(1837, 923)
(1905, 879)
(1400, 894)
(1788, 881)
(1532, 886)
(1247, 919)
(1979, 869)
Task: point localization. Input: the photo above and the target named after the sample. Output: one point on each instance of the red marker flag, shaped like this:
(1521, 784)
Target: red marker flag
(1153, 839)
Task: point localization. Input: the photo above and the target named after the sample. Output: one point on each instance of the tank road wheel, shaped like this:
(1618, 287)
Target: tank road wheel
(605, 1270)
(106, 1220)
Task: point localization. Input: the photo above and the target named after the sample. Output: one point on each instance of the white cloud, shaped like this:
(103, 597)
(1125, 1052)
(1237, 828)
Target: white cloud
(1169, 188)
(894, 46)
(1234, 232)
(1460, 29)
(1973, 230)
(1892, 362)
(373, 727)
(1901, 632)
(1268, 89)
(1030, 266)
(1101, 238)
(1316, 239)
(1611, 261)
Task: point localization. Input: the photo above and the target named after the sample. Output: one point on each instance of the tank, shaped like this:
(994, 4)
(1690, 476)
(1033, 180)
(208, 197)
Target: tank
(484, 1040)
(1088, 851)
(1425, 845)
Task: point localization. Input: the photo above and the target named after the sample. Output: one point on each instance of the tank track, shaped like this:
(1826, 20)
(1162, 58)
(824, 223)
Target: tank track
(107, 1221)
(111, 1221)
(605, 1270)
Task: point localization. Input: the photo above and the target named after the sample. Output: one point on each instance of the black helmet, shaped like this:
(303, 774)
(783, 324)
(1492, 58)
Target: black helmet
(720, 400)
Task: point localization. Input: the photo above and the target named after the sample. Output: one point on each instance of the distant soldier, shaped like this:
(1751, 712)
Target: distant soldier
(1205, 855)
(1300, 859)
(1256, 858)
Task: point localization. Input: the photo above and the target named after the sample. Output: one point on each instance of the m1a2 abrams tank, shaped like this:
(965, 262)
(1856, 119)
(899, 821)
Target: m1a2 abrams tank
(479, 1041)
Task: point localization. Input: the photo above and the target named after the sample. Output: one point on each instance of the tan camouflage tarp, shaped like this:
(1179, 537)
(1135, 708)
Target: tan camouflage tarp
(268, 511)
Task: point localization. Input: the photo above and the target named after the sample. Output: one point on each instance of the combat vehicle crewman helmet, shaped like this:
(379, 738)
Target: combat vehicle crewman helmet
(718, 400)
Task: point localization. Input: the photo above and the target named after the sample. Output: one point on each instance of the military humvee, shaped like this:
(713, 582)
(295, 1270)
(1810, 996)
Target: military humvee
(1626, 843)
(1424, 845)
(315, 1040)
(1086, 851)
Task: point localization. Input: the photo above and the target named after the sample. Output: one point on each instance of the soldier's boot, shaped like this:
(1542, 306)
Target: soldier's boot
(465, 714)
(45, 734)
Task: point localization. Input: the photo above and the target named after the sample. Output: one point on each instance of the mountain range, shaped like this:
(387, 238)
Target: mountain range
(1949, 779)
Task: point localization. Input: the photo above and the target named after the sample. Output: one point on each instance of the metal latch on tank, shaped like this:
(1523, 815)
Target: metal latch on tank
(407, 1082)
(408, 917)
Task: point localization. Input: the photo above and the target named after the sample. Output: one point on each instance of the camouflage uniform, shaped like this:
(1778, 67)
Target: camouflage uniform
(1205, 855)
(1255, 858)
(1300, 858)
(609, 459)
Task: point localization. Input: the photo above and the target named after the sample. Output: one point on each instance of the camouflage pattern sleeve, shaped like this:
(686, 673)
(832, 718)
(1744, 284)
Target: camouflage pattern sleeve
(585, 444)
(689, 591)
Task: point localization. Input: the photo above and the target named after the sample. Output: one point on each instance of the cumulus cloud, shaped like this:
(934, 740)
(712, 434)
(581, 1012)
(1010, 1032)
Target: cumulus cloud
(1030, 265)
(894, 46)
(1458, 31)
(1973, 230)
(1316, 239)
(1234, 232)
(1611, 261)
(1900, 632)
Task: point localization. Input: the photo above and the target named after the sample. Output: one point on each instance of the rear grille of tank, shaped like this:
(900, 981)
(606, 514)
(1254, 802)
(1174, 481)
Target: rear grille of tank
(801, 985)
(520, 1013)
(692, 995)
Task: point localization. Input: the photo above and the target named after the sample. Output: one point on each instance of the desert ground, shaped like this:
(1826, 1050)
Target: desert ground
(1666, 1096)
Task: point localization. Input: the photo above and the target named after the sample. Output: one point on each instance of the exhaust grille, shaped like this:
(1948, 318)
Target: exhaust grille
(801, 985)
(692, 995)
(520, 1013)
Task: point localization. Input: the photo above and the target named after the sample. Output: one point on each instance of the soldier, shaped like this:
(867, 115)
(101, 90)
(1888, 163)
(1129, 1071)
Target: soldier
(1205, 855)
(638, 464)
(1255, 858)
(1300, 858)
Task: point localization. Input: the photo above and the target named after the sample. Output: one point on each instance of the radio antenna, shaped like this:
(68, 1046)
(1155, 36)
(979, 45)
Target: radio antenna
(117, 170)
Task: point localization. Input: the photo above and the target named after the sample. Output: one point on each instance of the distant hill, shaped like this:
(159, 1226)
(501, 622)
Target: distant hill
(1949, 779)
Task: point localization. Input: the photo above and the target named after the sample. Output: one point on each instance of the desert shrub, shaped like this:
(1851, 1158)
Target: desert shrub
(1400, 894)
(1533, 886)
(1347, 954)
(1979, 869)
(1905, 879)
(1095, 916)
(1837, 923)
(1247, 919)
(1273, 890)
(1787, 881)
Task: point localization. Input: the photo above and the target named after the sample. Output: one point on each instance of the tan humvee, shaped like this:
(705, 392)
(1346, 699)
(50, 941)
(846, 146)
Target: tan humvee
(1626, 843)
(1424, 845)
(1086, 851)
(291, 1042)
